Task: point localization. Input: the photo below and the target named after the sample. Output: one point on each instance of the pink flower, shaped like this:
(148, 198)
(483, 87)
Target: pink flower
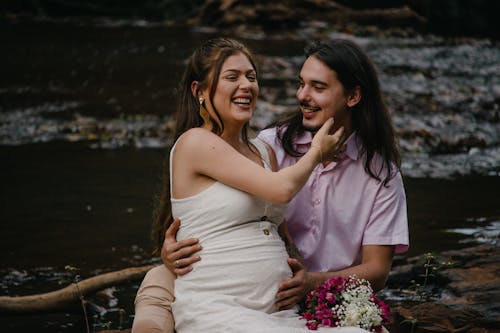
(385, 310)
(312, 325)
(308, 316)
(326, 322)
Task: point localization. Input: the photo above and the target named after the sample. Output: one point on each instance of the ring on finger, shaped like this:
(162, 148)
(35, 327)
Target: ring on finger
(177, 264)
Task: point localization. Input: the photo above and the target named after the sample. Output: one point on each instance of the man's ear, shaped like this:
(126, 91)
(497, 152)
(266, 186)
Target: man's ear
(354, 97)
(194, 89)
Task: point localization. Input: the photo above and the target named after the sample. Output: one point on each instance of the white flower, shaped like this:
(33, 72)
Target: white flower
(358, 308)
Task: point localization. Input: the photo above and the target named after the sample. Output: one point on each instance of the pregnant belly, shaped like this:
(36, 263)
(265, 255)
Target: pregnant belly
(246, 274)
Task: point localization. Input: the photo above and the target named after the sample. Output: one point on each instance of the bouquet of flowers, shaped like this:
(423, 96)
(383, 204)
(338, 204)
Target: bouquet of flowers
(345, 302)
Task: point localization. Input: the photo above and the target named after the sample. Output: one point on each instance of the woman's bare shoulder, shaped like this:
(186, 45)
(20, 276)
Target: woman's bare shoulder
(195, 136)
(195, 133)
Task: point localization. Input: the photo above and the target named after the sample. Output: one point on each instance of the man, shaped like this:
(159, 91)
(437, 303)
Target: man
(350, 217)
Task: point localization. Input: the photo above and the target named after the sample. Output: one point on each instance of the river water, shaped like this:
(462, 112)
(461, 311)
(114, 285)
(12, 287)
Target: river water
(86, 118)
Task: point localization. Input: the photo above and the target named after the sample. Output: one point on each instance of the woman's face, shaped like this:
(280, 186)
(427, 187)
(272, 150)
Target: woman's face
(237, 90)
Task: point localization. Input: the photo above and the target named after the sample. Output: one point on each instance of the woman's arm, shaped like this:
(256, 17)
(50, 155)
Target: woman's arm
(205, 153)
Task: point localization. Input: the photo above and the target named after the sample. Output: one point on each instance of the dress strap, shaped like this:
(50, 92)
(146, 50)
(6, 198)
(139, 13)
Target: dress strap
(170, 166)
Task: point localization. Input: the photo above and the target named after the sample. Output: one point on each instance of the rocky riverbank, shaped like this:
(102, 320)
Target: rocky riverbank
(450, 292)
(444, 94)
(454, 291)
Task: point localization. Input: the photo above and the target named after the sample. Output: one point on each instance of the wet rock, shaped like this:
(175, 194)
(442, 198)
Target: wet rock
(461, 292)
(274, 15)
(465, 17)
(226, 13)
(33, 125)
(435, 317)
(402, 17)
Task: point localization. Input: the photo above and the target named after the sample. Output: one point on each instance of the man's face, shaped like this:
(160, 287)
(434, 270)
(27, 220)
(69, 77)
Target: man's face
(321, 96)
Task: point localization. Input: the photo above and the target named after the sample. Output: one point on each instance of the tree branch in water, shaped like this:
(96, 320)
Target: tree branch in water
(59, 299)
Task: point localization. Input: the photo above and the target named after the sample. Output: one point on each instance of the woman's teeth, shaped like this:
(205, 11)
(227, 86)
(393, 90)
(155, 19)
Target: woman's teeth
(242, 101)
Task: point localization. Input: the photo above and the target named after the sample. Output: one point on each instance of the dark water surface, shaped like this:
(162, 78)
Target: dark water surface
(66, 204)
(83, 136)
(75, 205)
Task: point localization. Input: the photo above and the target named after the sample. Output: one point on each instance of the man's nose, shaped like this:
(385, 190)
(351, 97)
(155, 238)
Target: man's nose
(302, 94)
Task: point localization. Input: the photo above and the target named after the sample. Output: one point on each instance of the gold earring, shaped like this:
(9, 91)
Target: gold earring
(203, 111)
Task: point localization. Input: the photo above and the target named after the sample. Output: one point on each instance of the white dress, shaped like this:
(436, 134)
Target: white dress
(233, 287)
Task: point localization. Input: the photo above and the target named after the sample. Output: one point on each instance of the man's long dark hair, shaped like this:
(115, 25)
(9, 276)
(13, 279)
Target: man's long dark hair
(370, 118)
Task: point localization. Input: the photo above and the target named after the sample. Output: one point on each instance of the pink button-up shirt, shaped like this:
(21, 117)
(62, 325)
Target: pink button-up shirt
(341, 208)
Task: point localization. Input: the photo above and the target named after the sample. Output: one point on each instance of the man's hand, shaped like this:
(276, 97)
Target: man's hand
(179, 256)
(291, 291)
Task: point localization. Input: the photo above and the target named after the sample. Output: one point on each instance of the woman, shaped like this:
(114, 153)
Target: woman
(222, 188)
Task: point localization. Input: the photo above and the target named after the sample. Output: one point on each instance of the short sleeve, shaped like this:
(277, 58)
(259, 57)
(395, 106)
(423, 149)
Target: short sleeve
(388, 222)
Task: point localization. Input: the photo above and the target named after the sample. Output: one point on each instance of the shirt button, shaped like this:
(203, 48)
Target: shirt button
(266, 232)
(317, 201)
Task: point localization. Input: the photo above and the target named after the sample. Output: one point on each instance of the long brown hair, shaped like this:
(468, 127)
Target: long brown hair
(370, 117)
(204, 66)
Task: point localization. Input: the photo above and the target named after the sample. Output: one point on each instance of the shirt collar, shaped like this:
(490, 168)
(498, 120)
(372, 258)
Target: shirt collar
(353, 143)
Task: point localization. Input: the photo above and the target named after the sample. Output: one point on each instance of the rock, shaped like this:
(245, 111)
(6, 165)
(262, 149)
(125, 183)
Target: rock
(434, 317)
(449, 17)
(277, 15)
(475, 278)
(228, 13)
(386, 18)
(461, 294)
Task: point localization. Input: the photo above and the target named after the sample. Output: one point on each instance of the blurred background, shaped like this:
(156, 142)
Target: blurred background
(87, 103)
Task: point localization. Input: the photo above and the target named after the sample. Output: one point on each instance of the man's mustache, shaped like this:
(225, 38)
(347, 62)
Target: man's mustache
(309, 106)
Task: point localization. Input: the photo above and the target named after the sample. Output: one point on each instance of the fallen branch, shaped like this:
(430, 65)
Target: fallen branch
(61, 298)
